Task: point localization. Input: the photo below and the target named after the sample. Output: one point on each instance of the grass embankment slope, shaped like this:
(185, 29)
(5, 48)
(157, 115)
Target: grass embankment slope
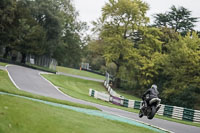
(79, 88)
(3, 64)
(79, 72)
(24, 116)
(21, 115)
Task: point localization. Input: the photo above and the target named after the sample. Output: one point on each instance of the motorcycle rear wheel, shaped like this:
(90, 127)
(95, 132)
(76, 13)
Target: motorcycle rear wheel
(152, 114)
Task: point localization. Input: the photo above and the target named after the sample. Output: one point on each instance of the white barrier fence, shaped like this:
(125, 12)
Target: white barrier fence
(99, 95)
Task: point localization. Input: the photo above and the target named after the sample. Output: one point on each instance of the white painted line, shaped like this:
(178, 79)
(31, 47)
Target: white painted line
(11, 77)
(138, 121)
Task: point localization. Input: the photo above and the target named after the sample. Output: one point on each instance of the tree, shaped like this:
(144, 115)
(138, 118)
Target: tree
(69, 51)
(161, 20)
(7, 15)
(29, 35)
(26, 35)
(42, 27)
(181, 72)
(94, 54)
(178, 19)
(120, 20)
(49, 16)
(30, 40)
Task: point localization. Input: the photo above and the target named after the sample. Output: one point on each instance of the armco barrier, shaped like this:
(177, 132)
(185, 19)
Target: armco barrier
(137, 105)
(91, 92)
(177, 113)
(113, 93)
(188, 114)
(99, 95)
(165, 110)
(197, 116)
(125, 102)
(168, 110)
(116, 100)
(131, 103)
(161, 110)
(109, 89)
(105, 83)
(102, 96)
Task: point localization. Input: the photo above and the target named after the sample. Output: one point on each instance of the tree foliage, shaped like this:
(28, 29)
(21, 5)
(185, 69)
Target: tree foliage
(178, 19)
(42, 27)
(120, 20)
(182, 69)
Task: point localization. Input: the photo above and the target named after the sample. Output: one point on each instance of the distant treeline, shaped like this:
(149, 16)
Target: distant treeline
(41, 27)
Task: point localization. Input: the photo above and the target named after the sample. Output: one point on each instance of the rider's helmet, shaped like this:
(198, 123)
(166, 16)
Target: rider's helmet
(154, 86)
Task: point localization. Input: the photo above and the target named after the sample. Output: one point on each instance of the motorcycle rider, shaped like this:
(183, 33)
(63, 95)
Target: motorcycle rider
(150, 94)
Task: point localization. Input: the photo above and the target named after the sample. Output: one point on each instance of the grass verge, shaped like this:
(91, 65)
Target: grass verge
(18, 115)
(127, 96)
(79, 72)
(3, 64)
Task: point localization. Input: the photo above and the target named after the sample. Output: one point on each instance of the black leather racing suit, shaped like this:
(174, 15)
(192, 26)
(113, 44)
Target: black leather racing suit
(152, 93)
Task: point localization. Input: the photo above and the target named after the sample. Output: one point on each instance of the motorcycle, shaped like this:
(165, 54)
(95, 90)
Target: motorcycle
(149, 109)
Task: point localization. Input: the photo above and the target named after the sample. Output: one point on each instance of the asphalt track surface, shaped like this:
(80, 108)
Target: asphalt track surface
(30, 80)
(81, 77)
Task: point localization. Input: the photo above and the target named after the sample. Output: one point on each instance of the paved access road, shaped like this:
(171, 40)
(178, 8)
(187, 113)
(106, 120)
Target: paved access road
(30, 80)
(2, 67)
(81, 77)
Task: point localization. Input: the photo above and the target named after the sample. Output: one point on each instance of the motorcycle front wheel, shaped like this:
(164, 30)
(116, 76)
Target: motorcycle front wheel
(141, 114)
